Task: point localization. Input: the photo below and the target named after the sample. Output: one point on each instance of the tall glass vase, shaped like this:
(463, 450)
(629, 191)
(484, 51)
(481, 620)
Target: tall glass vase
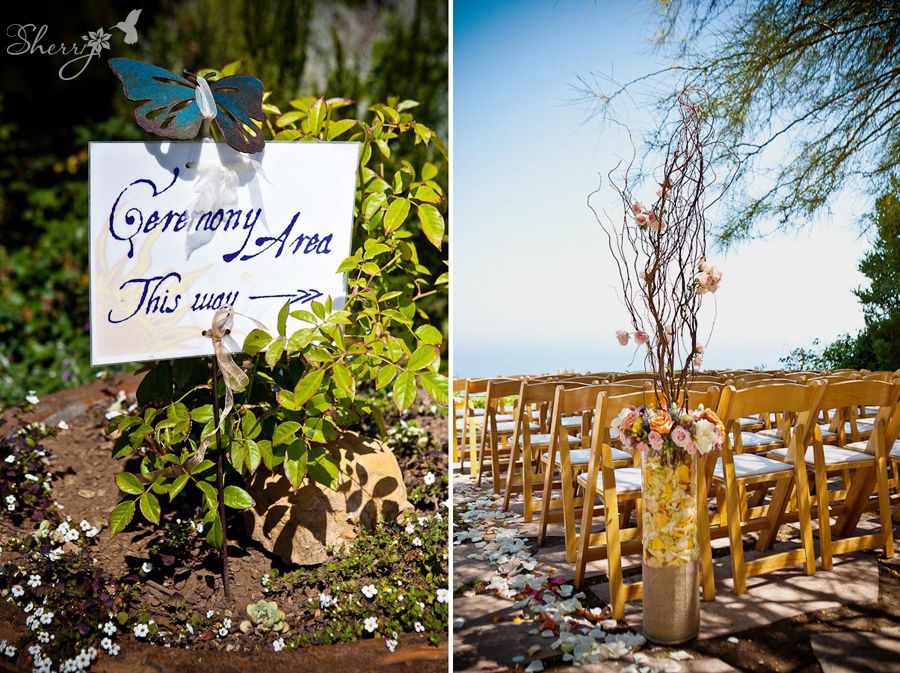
(671, 572)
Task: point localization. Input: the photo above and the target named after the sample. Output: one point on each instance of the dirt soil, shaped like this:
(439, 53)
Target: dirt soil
(81, 456)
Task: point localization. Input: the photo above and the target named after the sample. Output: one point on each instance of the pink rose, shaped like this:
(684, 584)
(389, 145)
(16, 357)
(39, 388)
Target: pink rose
(703, 265)
(637, 208)
(656, 224)
(656, 440)
(622, 337)
(641, 338)
(641, 220)
(698, 361)
(699, 349)
(691, 448)
(680, 436)
(642, 447)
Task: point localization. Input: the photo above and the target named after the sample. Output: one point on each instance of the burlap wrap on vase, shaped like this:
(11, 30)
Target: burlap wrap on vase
(671, 573)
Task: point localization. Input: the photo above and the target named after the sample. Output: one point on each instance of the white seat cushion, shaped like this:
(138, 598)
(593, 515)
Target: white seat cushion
(861, 446)
(754, 440)
(628, 480)
(833, 455)
(571, 421)
(508, 427)
(583, 456)
(539, 440)
(749, 422)
(472, 412)
(775, 432)
(752, 465)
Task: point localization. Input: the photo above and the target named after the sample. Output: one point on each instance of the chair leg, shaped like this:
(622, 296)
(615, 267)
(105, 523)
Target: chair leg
(733, 515)
(805, 513)
(706, 567)
(527, 475)
(884, 504)
(545, 504)
(473, 447)
(495, 466)
(613, 560)
(484, 443)
(822, 500)
(510, 471)
(568, 491)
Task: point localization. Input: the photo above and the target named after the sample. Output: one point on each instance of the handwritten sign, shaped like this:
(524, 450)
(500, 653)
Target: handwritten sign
(179, 230)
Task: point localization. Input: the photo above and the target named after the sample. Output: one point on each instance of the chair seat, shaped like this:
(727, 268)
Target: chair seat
(834, 455)
(628, 480)
(583, 456)
(472, 412)
(571, 421)
(750, 422)
(861, 446)
(754, 440)
(509, 427)
(752, 465)
(827, 435)
(539, 440)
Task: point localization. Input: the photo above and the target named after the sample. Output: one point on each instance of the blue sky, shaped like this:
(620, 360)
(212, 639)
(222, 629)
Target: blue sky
(532, 286)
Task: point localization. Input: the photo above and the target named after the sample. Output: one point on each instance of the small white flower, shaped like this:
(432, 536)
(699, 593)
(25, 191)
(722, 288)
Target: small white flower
(82, 660)
(17, 590)
(34, 650)
(29, 607)
(109, 628)
(223, 632)
(369, 591)
(146, 567)
(106, 643)
(141, 630)
(10, 459)
(391, 644)
(85, 525)
(410, 529)
(31, 398)
(114, 650)
(92, 532)
(43, 637)
(47, 617)
(325, 601)
(418, 626)
(278, 644)
(11, 499)
(417, 541)
(189, 629)
(442, 595)
(54, 554)
(72, 535)
(34, 581)
(10, 651)
(429, 479)
(210, 613)
(62, 425)
(370, 624)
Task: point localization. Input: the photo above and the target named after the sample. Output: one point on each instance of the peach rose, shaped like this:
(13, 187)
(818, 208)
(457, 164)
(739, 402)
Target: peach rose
(637, 208)
(661, 422)
(641, 220)
(641, 338)
(622, 337)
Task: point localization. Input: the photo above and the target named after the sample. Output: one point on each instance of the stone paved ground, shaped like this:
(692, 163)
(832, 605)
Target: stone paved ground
(770, 628)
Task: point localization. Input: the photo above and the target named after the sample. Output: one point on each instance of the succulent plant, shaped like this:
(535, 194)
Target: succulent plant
(264, 616)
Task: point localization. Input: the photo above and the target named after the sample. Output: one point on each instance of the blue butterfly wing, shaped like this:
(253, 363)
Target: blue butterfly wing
(168, 101)
(238, 104)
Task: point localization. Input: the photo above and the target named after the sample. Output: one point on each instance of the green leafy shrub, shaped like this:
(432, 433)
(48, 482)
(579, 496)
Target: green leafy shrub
(303, 389)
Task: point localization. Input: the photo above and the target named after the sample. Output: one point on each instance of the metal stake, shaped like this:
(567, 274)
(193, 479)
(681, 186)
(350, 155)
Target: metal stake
(220, 478)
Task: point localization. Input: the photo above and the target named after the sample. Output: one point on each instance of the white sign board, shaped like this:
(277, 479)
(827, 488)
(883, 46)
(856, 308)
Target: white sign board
(181, 229)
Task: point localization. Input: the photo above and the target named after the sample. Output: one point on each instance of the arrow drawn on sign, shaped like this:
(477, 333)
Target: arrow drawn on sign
(301, 296)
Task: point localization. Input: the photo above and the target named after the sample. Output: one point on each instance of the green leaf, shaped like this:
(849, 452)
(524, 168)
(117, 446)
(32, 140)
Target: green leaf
(344, 379)
(385, 376)
(308, 386)
(337, 128)
(318, 111)
(435, 385)
(295, 462)
(255, 341)
(253, 456)
(121, 516)
(321, 467)
(214, 536)
(237, 498)
(432, 223)
(373, 203)
(203, 414)
(429, 334)
(128, 483)
(203, 466)
(282, 318)
(429, 171)
(300, 339)
(276, 349)
(285, 432)
(209, 494)
(427, 194)
(396, 214)
(423, 357)
(177, 486)
(288, 118)
(149, 507)
(404, 390)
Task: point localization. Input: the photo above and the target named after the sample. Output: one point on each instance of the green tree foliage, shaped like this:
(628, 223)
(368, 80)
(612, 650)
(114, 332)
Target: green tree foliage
(808, 94)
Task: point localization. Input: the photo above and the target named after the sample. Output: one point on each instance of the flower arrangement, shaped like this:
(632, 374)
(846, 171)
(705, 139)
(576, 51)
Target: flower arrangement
(668, 441)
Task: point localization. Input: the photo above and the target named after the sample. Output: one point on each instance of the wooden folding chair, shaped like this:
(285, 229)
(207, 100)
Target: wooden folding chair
(867, 466)
(615, 486)
(566, 458)
(497, 428)
(732, 473)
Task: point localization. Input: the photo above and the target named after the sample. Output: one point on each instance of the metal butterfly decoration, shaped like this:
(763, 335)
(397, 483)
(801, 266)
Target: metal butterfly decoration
(179, 107)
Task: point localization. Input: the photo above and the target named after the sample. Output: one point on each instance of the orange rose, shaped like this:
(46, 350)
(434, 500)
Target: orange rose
(711, 416)
(662, 423)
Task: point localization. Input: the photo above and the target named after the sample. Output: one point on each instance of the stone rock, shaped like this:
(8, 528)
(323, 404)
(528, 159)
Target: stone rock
(300, 526)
